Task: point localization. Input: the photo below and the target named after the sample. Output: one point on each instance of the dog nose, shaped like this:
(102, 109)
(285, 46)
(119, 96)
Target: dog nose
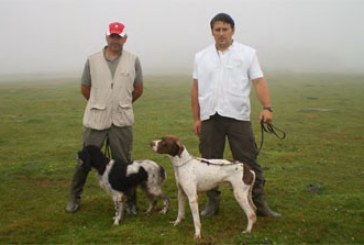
(152, 144)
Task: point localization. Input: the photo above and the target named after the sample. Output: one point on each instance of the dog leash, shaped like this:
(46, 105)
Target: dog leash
(107, 148)
(180, 165)
(203, 160)
(268, 128)
(271, 129)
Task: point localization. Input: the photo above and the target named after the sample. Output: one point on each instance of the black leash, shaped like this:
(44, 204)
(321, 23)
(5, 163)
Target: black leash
(107, 148)
(218, 164)
(269, 128)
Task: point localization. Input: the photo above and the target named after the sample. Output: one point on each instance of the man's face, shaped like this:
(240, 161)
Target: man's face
(115, 42)
(223, 34)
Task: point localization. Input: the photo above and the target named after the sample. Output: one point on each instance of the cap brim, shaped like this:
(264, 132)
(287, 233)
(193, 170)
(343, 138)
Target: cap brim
(123, 34)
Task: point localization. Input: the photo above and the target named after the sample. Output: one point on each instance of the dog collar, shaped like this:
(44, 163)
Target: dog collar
(183, 163)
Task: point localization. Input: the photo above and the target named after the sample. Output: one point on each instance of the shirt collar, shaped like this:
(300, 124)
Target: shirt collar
(226, 50)
(104, 51)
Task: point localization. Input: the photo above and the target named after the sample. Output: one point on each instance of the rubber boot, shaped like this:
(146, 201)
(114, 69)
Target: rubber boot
(263, 209)
(212, 204)
(131, 202)
(78, 182)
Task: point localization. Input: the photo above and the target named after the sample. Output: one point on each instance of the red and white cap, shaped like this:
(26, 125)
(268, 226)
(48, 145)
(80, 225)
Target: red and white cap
(116, 28)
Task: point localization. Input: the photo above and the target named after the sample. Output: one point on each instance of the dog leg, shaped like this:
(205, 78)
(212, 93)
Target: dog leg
(241, 193)
(181, 207)
(117, 212)
(165, 204)
(193, 201)
(152, 194)
(119, 208)
(159, 193)
(250, 195)
(152, 204)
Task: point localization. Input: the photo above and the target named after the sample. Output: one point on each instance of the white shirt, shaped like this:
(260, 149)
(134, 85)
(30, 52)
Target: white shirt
(224, 80)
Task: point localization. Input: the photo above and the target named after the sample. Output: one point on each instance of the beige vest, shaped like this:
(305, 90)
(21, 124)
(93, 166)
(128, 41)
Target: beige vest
(110, 98)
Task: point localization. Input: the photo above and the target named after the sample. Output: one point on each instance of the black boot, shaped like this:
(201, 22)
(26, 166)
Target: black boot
(78, 182)
(212, 204)
(263, 209)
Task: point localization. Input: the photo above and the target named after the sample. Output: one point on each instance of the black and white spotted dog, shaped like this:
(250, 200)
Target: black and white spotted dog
(117, 178)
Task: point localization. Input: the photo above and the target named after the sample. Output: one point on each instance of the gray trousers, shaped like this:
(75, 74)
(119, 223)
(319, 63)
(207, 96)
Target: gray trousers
(120, 139)
(239, 134)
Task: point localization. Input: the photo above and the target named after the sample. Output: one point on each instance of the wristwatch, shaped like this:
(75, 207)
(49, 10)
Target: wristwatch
(269, 108)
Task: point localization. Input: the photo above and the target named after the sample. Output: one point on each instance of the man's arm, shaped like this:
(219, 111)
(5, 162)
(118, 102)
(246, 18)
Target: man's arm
(195, 107)
(262, 91)
(138, 82)
(85, 91)
(138, 90)
(86, 81)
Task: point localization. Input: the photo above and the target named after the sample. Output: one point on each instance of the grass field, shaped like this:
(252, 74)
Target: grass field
(315, 177)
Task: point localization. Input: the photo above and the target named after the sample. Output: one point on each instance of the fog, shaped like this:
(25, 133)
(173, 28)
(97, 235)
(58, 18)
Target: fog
(56, 36)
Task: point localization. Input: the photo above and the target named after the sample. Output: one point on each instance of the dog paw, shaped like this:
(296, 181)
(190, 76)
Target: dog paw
(197, 236)
(116, 221)
(246, 232)
(163, 211)
(176, 222)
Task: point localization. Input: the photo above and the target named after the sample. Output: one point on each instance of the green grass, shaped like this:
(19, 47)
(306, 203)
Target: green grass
(40, 133)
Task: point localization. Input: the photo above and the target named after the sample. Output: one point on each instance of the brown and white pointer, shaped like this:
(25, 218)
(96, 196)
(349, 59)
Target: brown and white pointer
(194, 175)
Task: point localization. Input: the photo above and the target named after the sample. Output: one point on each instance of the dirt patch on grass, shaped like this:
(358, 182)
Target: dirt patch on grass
(44, 182)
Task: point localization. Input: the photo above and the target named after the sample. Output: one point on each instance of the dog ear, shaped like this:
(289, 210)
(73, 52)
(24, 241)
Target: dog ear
(180, 147)
(97, 156)
(84, 160)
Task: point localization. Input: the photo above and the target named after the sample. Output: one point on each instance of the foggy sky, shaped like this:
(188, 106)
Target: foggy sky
(56, 36)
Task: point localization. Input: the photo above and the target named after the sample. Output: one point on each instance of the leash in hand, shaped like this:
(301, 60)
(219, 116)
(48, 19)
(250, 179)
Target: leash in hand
(271, 129)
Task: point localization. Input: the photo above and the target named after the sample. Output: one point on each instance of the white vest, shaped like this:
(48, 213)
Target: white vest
(110, 98)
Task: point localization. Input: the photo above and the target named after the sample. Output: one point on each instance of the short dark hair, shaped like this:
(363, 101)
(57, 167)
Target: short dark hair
(224, 18)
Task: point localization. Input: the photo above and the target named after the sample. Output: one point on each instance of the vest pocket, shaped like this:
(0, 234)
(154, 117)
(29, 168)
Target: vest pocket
(97, 107)
(124, 115)
(97, 116)
(125, 74)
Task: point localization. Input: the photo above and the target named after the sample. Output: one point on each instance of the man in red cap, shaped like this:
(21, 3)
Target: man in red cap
(112, 80)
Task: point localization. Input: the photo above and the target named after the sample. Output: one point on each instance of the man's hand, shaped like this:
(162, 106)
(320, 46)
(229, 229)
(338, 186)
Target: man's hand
(85, 91)
(197, 127)
(265, 116)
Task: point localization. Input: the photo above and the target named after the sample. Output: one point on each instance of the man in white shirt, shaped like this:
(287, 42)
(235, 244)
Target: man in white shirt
(223, 76)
